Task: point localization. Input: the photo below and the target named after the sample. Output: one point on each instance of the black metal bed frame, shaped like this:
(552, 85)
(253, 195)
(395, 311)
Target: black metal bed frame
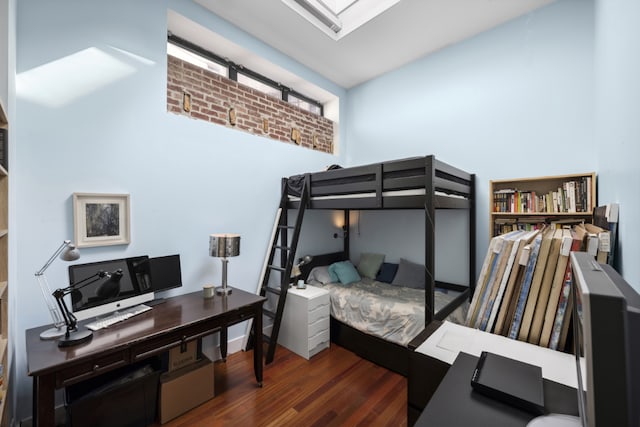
(384, 186)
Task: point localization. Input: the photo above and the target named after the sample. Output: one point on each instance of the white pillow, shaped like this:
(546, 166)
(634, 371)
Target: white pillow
(320, 274)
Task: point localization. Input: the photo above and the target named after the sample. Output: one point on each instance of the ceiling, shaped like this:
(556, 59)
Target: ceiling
(405, 32)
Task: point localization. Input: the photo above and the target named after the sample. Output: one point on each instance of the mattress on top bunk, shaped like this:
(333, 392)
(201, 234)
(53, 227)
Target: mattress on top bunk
(393, 193)
(394, 313)
(391, 178)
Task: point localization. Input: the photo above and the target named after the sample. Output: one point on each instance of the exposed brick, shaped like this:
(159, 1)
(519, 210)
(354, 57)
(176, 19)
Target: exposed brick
(213, 95)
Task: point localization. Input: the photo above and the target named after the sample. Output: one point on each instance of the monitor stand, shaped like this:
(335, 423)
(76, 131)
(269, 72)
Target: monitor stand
(555, 420)
(155, 302)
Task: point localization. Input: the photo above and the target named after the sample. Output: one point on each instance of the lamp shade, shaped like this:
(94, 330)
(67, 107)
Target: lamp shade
(71, 253)
(224, 245)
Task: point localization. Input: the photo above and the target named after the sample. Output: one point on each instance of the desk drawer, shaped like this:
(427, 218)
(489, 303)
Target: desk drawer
(91, 368)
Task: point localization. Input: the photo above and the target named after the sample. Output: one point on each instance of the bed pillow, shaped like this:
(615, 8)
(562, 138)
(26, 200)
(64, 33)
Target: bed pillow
(369, 264)
(387, 272)
(345, 271)
(410, 275)
(322, 275)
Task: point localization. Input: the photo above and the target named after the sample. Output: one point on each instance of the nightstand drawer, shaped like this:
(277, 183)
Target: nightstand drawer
(318, 301)
(319, 326)
(319, 312)
(319, 343)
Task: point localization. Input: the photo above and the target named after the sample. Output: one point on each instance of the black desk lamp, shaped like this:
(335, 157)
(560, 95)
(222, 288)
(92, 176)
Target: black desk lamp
(109, 288)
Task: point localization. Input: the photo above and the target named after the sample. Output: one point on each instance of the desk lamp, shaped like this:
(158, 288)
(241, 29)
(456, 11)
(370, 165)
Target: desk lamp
(295, 272)
(67, 252)
(109, 288)
(224, 246)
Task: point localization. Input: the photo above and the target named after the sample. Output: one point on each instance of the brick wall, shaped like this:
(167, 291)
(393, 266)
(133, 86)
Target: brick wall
(204, 95)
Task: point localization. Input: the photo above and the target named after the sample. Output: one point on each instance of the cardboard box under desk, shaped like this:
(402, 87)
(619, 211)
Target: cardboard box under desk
(184, 389)
(179, 359)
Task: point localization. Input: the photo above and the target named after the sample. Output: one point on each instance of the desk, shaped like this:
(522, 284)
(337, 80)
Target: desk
(455, 403)
(178, 320)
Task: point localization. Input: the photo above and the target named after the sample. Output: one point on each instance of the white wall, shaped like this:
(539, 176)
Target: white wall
(186, 178)
(618, 131)
(515, 101)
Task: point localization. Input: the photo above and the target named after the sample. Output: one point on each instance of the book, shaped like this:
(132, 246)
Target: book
(520, 241)
(510, 381)
(524, 289)
(606, 217)
(505, 311)
(603, 242)
(482, 281)
(502, 274)
(545, 288)
(561, 312)
(556, 288)
(536, 283)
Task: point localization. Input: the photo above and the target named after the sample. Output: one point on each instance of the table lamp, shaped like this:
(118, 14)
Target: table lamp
(67, 252)
(224, 246)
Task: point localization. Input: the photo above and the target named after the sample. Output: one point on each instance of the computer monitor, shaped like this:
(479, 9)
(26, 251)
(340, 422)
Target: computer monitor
(98, 294)
(606, 319)
(165, 273)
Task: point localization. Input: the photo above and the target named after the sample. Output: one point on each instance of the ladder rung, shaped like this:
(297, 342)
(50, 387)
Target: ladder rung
(266, 338)
(275, 291)
(275, 267)
(269, 313)
(282, 248)
(290, 227)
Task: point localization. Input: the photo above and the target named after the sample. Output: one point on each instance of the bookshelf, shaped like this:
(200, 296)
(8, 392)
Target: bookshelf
(4, 262)
(527, 203)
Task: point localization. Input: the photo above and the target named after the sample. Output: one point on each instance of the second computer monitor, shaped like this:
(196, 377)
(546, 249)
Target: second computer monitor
(165, 273)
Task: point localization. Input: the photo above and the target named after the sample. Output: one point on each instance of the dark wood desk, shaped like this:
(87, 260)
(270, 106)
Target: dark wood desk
(456, 404)
(178, 320)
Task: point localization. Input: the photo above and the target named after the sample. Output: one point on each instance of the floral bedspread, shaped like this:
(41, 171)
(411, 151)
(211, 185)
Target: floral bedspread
(394, 313)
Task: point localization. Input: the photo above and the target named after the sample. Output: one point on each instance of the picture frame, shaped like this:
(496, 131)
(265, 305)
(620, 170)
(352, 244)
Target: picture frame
(101, 219)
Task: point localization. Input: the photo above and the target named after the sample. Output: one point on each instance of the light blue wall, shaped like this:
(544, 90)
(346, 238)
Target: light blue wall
(618, 130)
(516, 101)
(186, 178)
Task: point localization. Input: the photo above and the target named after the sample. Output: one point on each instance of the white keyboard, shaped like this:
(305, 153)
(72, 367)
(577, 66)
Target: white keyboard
(117, 316)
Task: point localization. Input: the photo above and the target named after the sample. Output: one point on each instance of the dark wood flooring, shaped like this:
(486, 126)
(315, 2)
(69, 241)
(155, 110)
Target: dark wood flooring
(334, 388)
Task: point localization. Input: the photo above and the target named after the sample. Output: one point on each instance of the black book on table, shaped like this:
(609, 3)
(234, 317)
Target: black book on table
(513, 382)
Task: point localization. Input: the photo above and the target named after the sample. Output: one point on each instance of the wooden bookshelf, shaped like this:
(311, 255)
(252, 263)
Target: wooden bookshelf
(527, 203)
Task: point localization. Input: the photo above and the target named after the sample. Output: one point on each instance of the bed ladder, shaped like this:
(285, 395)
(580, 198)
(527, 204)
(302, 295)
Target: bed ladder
(284, 242)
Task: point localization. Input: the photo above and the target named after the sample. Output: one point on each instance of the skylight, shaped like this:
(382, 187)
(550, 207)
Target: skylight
(337, 18)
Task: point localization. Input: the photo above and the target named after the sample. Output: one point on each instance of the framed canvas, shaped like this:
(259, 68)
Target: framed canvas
(100, 219)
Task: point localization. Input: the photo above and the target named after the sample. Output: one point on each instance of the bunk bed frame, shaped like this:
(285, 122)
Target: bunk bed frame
(413, 183)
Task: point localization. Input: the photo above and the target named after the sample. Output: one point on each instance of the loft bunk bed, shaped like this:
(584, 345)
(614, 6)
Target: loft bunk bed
(415, 183)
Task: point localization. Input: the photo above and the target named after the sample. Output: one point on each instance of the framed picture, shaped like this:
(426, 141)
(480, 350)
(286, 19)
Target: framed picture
(100, 219)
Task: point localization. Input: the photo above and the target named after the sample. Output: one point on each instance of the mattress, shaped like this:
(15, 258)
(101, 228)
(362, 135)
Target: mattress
(393, 313)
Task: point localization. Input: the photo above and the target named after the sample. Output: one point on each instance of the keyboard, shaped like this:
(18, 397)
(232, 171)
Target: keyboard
(117, 316)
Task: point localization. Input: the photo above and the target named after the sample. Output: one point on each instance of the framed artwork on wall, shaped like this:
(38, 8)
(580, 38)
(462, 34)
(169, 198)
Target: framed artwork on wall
(100, 219)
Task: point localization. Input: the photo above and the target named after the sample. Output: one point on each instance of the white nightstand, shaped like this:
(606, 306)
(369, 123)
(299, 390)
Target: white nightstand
(305, 321)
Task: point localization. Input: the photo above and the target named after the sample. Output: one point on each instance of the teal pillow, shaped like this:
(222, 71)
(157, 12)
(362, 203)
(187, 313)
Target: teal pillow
(345, 272)
(370, 264)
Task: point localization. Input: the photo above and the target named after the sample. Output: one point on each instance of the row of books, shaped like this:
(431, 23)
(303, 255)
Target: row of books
(506, 225)
(570, 197)
(523, 287)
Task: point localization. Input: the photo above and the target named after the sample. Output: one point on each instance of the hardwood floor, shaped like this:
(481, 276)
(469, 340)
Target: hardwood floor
(334, 388)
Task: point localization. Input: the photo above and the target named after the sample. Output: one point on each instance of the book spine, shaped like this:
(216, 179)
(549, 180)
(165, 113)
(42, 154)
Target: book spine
(560, 314)
(524, 292)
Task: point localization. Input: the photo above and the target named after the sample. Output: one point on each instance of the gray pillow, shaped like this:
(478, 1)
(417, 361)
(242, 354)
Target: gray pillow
(410, 275)
(369, 264)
